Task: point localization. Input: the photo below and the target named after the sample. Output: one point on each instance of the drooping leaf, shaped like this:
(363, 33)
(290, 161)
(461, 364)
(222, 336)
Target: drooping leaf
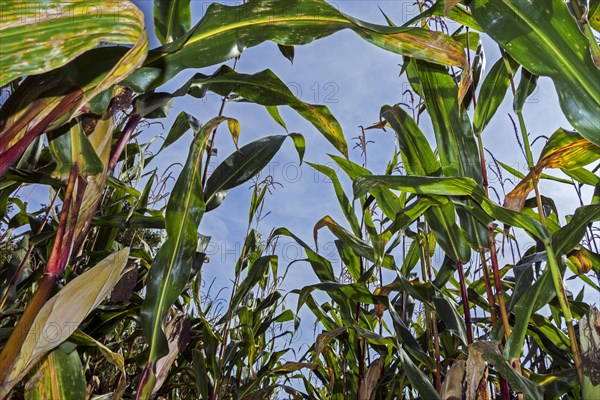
(417, 378)
(221, 35)
(343, 200)
(565, 150)
(299, 144)
(452, 187)
(386, 200)
(457, 14)
(357, 244)
(82, 339)
(526, 88)
(183, 123)
(266, 89)
(287, 51)
(488, 350)
(570, 235)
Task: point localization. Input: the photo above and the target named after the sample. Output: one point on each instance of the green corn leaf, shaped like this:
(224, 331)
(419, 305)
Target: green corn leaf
(256, 271)
(544, 38)
(493, 90)
(386, 200)
(287, 52)
(453, 132)
(359, 246)
(74, 147)
(419, 159)
(172, 19)
(171, 268)
(524, 307)
(343, 201)
(59, 376)
(417, 378)
(320, 265)
(454, 137)
(266, 89)
(488, 350)
(222, 34)
(240, 167)
(36, 39)
(570, 235)
(417, 156)
(452, 187)
(457, 14)
(527, 86)
(428, 293)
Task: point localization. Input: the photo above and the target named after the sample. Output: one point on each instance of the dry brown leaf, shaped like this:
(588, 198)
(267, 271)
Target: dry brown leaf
(449, 4)
(367, 389)
(452, 388)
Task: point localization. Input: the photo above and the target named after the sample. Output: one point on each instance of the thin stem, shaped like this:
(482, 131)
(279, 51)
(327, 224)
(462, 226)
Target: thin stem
(214, 134)
(564, 305)
(13, 281)
(498, 282)
(465, 300)
(488, 287)
(130, 126)
(431, 316)
(54, 269)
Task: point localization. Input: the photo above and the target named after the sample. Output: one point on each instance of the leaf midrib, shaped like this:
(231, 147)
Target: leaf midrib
(157, 320)
(260, 21)
(564, 61)
(172, 7)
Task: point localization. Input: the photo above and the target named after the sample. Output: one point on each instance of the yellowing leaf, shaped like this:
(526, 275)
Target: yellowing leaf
(58, 377)
(234, 129)
(38, 37)
(565, 150)
(47, 101)
(63, 313)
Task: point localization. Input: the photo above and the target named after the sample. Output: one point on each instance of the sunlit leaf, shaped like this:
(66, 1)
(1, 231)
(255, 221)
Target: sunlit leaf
(172, 265)
(59, 376)
(544, 38)
(266, 89)
(222, 35)
(240, 167)
(172, 19)
(565, 150)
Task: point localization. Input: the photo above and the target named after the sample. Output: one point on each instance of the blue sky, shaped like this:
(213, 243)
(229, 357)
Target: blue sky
(354, 79)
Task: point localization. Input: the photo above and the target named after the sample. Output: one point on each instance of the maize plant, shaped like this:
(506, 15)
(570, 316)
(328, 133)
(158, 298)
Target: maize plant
(103, 291)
